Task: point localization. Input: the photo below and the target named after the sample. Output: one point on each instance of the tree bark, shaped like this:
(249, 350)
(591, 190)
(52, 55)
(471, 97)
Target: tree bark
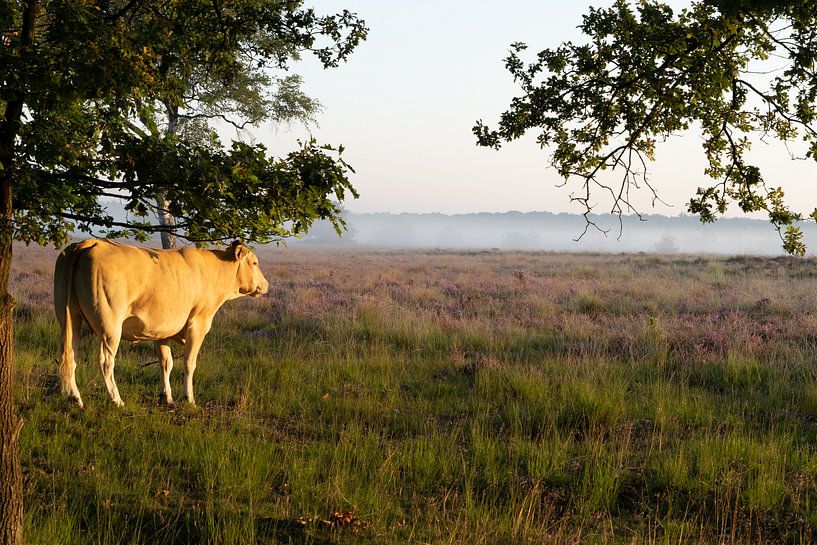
(166, 219)
(11, 477)
(11, 481)
(11, 484)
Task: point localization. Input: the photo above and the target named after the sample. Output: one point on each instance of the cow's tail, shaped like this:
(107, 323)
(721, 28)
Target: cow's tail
(68, 312)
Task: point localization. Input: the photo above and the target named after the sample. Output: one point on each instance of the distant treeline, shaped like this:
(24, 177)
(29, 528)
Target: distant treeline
(557, 232)
(551, 232)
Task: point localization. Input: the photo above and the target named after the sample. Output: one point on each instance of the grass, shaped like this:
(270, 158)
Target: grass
(475, 397)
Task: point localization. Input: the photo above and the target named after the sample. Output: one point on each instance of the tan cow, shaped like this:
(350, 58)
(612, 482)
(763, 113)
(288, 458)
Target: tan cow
(141, 294)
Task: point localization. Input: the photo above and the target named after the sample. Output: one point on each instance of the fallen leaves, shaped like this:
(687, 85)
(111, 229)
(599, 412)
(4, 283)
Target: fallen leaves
(338, 520)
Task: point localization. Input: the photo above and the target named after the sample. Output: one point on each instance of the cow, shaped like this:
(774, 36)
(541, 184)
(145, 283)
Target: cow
(141, 294)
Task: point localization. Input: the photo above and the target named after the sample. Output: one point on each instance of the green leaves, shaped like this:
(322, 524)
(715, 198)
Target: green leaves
(215, 194)
(102, 79)
(793, 241)
(646, 73)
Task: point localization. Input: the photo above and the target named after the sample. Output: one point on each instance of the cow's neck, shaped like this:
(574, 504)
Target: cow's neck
(224, 277)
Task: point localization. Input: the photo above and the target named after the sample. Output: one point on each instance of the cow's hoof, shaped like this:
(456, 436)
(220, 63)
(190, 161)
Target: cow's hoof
(73, 399)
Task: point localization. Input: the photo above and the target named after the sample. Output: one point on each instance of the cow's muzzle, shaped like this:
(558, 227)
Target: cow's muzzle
(259, 291)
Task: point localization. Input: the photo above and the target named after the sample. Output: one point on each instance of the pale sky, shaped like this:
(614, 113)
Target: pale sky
(405, 102)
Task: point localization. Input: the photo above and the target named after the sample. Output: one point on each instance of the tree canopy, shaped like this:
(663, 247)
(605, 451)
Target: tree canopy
(229, 63)
(96, 81)
(735, 70)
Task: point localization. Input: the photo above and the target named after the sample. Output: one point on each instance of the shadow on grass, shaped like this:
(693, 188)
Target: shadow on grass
(99, 523)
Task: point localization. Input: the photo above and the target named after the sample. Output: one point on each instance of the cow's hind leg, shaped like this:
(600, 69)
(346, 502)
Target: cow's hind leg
(107, 354)
(166, 358)
(70, 347)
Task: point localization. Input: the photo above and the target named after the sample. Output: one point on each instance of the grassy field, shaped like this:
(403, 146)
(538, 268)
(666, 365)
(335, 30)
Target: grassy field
(436, 397)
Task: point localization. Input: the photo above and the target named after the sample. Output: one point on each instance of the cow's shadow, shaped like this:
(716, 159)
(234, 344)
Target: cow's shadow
(184, 526)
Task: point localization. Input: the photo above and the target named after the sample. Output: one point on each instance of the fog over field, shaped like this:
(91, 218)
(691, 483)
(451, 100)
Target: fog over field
(558, 232)
(546, 231)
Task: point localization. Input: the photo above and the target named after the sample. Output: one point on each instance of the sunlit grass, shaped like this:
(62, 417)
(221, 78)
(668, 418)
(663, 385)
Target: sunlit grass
(445, 398)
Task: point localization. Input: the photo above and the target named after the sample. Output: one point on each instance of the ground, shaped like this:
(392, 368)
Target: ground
(441, 397)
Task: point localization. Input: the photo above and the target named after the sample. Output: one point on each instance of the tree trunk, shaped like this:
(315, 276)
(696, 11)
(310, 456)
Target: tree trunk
(166, 219)
(11, 482)
(11, 477)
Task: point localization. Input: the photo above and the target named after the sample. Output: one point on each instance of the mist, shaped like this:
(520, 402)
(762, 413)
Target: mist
(544, 231)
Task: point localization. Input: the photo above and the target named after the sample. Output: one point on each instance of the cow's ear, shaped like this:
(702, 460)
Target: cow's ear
(239, 250)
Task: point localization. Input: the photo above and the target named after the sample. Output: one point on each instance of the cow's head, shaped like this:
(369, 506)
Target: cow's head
(250, 279)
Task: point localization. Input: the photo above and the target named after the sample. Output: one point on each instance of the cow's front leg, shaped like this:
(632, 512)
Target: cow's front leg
(192, 344)
(166, 359)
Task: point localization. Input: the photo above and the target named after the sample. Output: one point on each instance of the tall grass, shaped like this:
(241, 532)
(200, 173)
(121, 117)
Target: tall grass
(437, 397)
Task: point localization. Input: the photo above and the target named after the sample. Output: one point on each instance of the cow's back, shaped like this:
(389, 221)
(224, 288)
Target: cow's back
(142, 292)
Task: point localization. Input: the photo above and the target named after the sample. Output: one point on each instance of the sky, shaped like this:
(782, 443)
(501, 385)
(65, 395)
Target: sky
(404, 104)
